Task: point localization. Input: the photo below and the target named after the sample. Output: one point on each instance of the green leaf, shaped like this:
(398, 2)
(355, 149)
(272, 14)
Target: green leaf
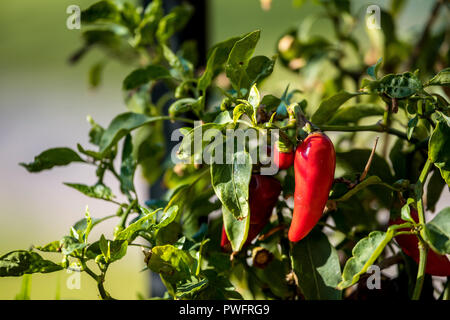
(373, 70)
(170, 213)
(90, 153)
(239, 58)
(95, 74)
(130, 16)
(142, 76)
(122, 125)
(145, 33)
(119, 252)
(222, 51)
(129, 232)
(20, 262)
(365, 253)
(188, 289)
(406, 211)
(270, 102)
(397, 86)
(236, 229)
(96, 132)
(98, 191)
(181, 68)
(69, 245)
(223, 118)
(181, 106)
(205, 80)
(194, 142)
(354, 113)
(81, 229)
(412, 123)
(254, 99)
(439, 147)
(274, 274)
(316, 265)
(437, 232)
(173, 22)
(104, 247)
(329, 106)
(231, 181)
(219, 287)
(116, 249)
(259, 68)
(441, 79)
(353, 217)
(127, 167)
(171, 263)
(52, 158)
(53, 246)
(242, 109)
(102, 11)
(112, 40)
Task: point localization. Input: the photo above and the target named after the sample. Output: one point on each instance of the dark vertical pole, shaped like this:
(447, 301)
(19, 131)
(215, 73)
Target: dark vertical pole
(196, 30)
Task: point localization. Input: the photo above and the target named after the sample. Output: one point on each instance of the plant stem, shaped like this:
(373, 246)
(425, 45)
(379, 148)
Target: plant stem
(98, 278)
(372, 128)
(423, 248)
(101, 289)
(123, 221)
(177, 119)
(88, 270)
(419, 190)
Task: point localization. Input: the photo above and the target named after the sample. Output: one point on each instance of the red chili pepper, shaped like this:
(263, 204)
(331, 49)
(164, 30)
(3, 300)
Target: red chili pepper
(283, 157)
(263, 196)
(314, 165)
(437, 265)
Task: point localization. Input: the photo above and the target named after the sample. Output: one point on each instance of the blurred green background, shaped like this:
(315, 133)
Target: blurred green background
(44, 103)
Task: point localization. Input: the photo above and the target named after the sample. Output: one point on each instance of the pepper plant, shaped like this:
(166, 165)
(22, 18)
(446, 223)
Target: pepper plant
(394, 88)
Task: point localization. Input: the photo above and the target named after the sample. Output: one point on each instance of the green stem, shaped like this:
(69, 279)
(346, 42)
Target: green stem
(103, 293)
(88, 270)
(423, 248)
(101, 289)
(106, 218)
(123, 221)
(177, 119)
(419, 190)
(139, 245)
(98, 278)
(371, 128)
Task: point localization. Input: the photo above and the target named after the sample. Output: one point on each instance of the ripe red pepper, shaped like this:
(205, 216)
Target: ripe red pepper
(314, 165)
(263, 196)
(437, 265)
(283, 157)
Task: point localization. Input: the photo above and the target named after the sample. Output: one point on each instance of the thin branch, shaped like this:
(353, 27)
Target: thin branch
(369, 162)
